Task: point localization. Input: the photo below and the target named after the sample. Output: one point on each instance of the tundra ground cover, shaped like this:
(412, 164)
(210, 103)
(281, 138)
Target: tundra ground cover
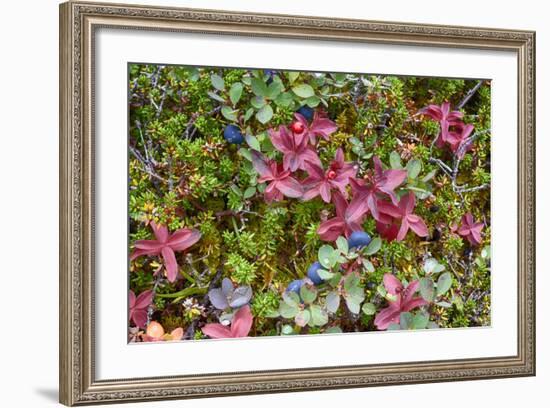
(265, 203)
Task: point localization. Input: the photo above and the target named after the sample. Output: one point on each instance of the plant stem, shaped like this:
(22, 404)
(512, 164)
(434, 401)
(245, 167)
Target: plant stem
(183, 293)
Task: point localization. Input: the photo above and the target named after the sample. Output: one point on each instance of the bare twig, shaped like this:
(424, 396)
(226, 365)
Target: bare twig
(162, 99)
(146, 167)
(469, 95)
(147, 156)
(453, 172)
(233, 213)
(455, 272)
(446, 169)
(471, 189)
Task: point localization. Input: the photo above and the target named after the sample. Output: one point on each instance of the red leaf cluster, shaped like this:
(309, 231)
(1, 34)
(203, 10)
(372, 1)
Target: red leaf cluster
(298, 144)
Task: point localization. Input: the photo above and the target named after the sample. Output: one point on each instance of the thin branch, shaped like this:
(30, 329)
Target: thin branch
(146, 168)
(147, 156)
(162, 99)
(469, 95)
(471, 189)
(233, 213)
(442, 165)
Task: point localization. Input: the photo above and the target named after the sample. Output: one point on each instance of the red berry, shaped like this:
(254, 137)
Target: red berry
(297, 127)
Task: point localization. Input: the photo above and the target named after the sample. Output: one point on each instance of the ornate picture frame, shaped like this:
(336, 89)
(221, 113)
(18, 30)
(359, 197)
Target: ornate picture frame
(78, 24)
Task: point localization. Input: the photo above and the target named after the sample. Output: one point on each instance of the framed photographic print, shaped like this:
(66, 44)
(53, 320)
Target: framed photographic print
(263, 203)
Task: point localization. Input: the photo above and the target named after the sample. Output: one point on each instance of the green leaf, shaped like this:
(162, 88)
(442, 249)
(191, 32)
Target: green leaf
(236, 190)
(291, 298)
(335, 258)
(486, 252)
(406, 320)
(333, 301)
(193, 73)
(443, 304)
(339, 77)
(356, 295)
(284, 99)
(353, 305)
(252, 142)
(325, 253)
(324, 274)
(313, 101)
(427, 290)
(215, 96)
(217, 82)
(395, 160)
(369, 309)
(308, 295)
(394, 326)
(421, 193)
(333, 330)
(229, 113)
(258, 87)
(273, 314)
(287, 330)
(258, 102)
(235, 92)
(432, 266)
(293, 76)
(248, 114)
(303, 90)
(373, 247)
(249, 192)
(335, 280)
(351, 281)
(318, 316)
(245, 153)
(274, 89)
(459, 304)
(287, 311)
(368, 265)
(302, 318)
(444, 283)
(413, 168)
(342, 244)
(420, 321)
(429, 176)
(265, 114)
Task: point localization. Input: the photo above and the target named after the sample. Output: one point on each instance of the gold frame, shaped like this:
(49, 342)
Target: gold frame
(78, 22)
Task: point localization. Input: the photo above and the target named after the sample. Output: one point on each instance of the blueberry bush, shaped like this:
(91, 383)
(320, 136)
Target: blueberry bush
(265, 203)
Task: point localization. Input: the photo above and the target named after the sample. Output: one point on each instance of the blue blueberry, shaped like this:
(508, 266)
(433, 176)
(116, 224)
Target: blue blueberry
(233, 134)
(359, 239)
(313, 274)
(306, 112)
(295, 286)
